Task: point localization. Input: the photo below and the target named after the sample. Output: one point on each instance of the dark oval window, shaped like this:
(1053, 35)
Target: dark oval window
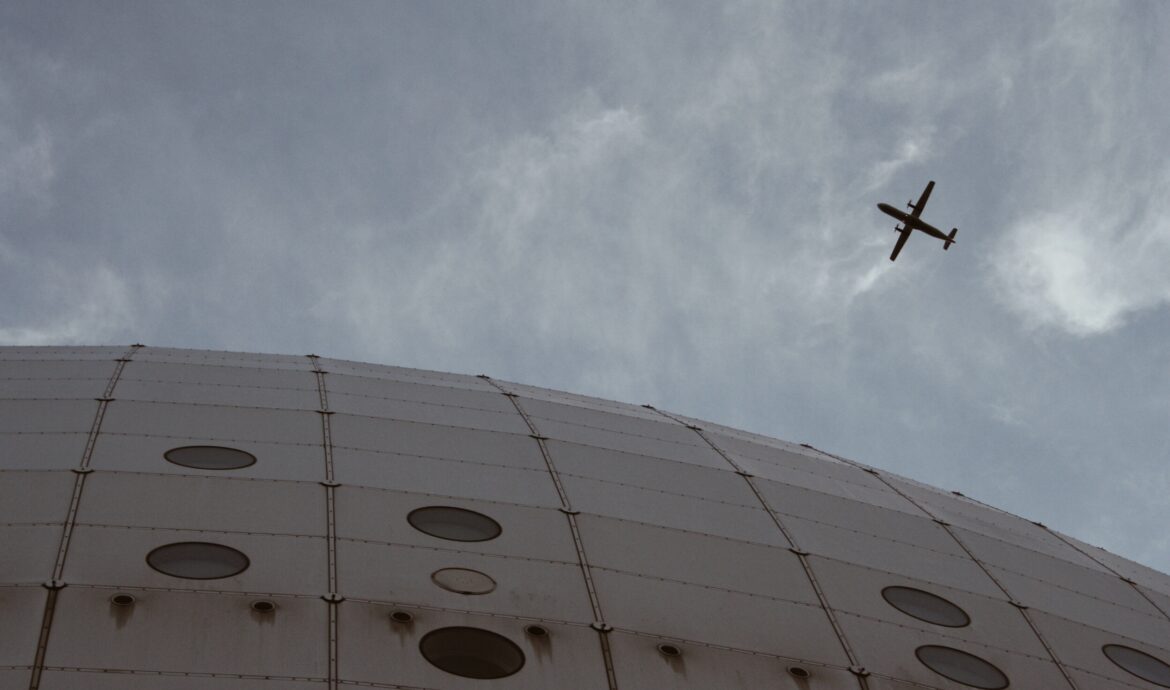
(455, 524)
(197, 560)
(961, 667)
(463, 581)
(471, 652)
(1140, 664)
(210, 457)
(925, 606)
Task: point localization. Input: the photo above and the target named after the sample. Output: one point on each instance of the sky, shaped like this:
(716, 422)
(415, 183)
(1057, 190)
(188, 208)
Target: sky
(655, 202)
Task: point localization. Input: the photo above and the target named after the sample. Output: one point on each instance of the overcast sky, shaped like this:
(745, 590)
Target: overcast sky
(671, 203)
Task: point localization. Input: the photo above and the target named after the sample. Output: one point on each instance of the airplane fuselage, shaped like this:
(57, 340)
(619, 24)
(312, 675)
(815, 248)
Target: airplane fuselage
(912, 222)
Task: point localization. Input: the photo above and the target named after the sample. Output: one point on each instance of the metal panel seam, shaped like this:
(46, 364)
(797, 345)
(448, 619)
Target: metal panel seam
(603, 629)
(1104, 565)
(1023, 609)
(83, 469)
(858, 671)
(332, 599)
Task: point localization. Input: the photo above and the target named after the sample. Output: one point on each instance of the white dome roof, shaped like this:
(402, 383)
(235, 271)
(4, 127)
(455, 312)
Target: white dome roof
(190, 519)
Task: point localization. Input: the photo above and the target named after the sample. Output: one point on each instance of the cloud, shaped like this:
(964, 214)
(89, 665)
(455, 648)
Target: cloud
(1085, 269)
(1086, 233)
(74, 306)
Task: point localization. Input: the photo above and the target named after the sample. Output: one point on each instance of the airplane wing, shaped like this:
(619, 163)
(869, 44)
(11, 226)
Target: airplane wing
(903, 237)
(922, 200)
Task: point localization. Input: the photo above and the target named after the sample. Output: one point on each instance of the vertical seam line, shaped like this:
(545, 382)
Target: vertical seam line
(83, 469)
(854, 666)
(1023, 609)
(333, 599)
(603, 629)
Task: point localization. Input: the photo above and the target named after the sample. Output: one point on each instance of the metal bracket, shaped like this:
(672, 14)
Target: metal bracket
(798, 552)
(81, 470)
(333, 598)
(538, 437)
(1018, 605)
(53, 584)
(601, 626)
(858, 671)
(569, 511)
(331, 484)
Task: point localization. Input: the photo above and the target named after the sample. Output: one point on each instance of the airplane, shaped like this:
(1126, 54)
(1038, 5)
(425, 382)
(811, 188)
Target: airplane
(911, 222)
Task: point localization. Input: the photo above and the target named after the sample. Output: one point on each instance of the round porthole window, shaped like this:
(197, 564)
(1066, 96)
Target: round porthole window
(210, 457)
(925, 606)
(1140, 664)
(455, 524)
(463, 581)
(471, 652)
(961, 667)
(197, 560)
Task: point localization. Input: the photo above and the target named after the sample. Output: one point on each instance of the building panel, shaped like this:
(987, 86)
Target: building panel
(226, 532)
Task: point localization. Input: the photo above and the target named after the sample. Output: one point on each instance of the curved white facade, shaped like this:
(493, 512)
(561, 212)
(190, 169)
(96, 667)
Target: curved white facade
(649, 550)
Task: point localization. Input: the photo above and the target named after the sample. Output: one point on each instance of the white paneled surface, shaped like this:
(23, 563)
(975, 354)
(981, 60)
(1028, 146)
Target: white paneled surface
(640, 665)
(549, 590)
(381, 516)
(621, 528)
(235, 639)
(46, 416)
(29, 552)
(116, 556)
(378, 650)
(38, 451)
(445, 477)
(214, 503)
(32, 497)
(516, 449)
(689, 612)
(100, 679)
(146, 453)
(22, 608)
(708, 561)
(225, 424)
(856, 593)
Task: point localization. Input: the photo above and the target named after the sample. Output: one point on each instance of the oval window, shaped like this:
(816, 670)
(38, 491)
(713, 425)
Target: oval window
(210, 457)
(197, 560)
(961, 667)
(455, 524)
(463, 581)
(471, 652)
(1140, 664)
(925, 606)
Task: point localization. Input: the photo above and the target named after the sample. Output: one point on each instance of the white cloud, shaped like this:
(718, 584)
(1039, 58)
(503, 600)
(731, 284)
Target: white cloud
(1085, 268)
(915, 147)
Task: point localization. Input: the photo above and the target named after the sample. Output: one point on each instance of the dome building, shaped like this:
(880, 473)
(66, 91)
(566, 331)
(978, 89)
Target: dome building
(181, 519)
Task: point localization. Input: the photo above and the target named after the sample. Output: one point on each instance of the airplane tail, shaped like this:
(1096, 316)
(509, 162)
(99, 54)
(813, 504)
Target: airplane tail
(950, 239)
